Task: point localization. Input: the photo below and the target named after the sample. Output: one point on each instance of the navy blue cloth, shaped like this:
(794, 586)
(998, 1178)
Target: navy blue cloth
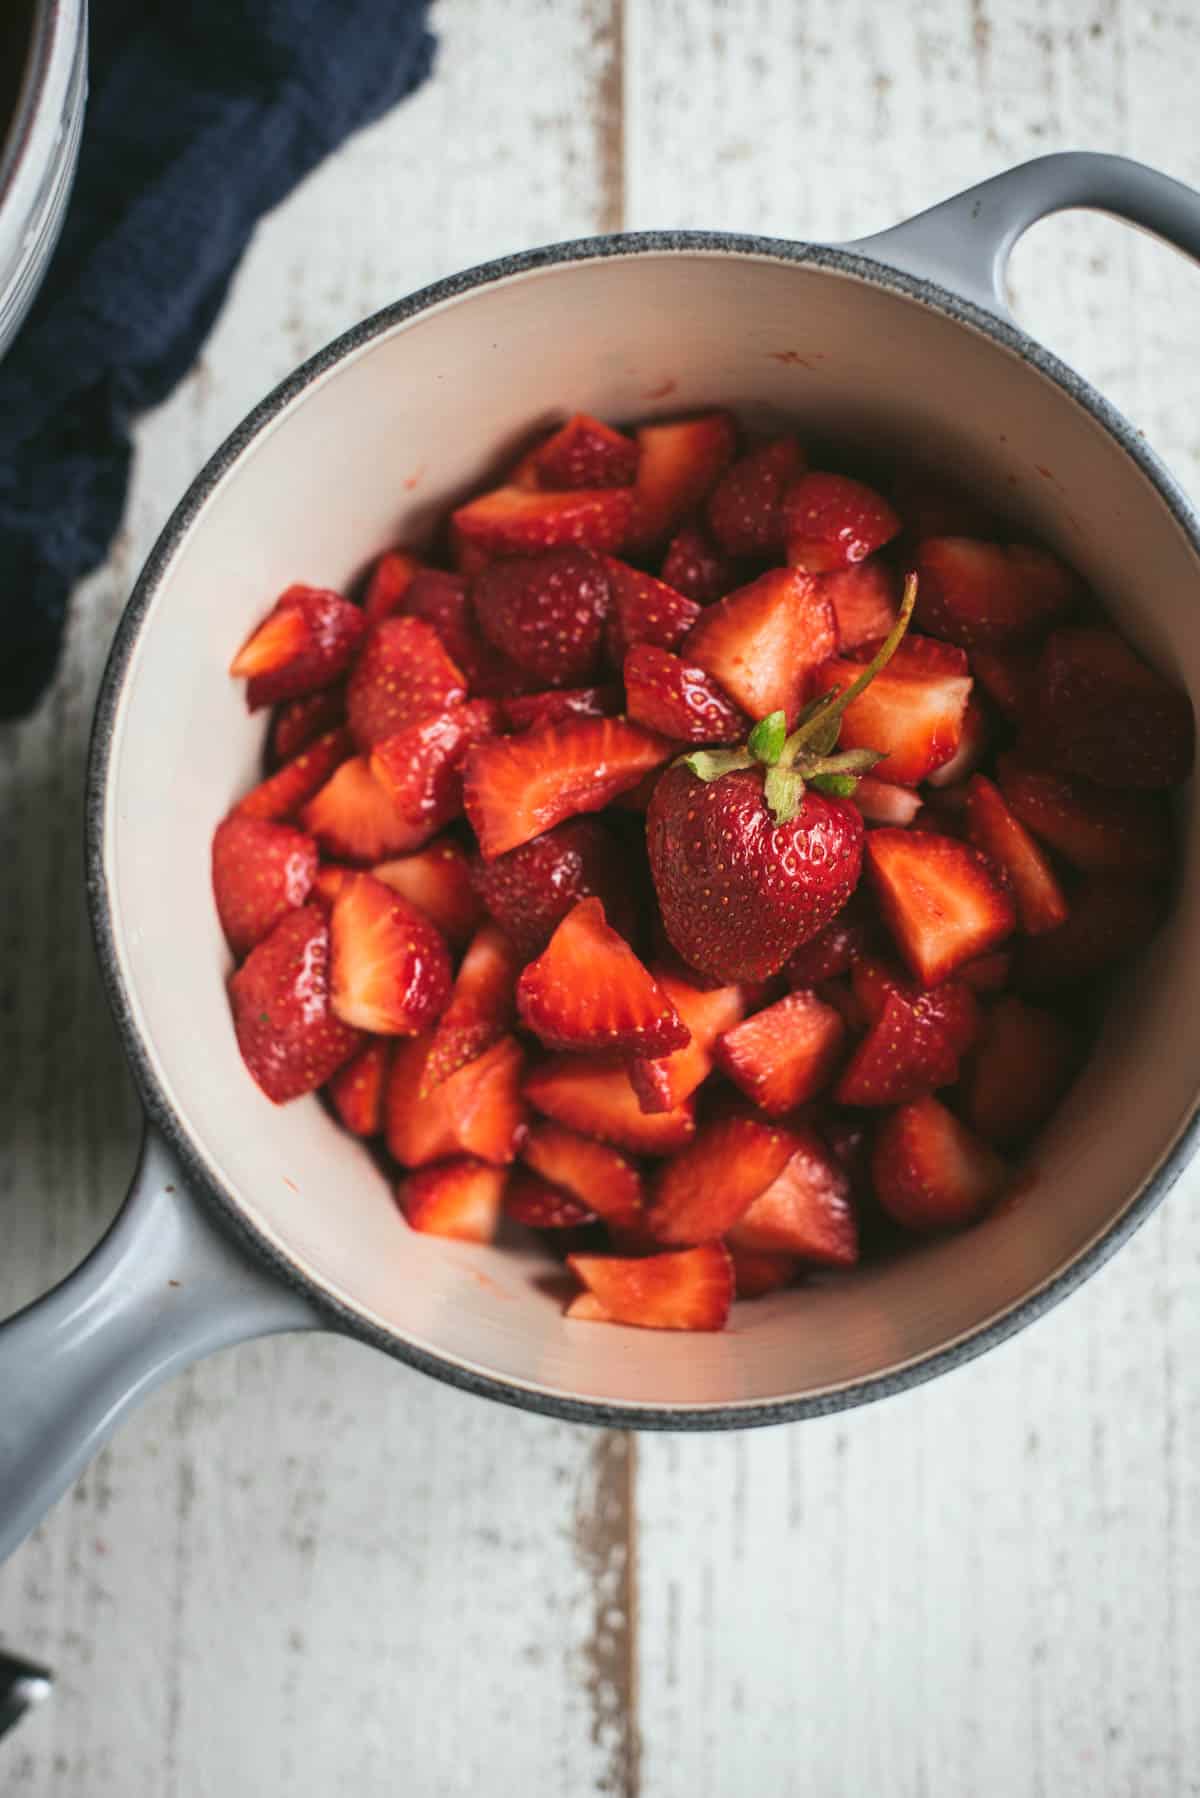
(203, 115)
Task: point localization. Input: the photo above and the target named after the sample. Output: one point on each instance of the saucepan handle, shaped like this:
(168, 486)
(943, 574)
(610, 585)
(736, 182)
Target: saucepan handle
(965, 242)
(166, 1286)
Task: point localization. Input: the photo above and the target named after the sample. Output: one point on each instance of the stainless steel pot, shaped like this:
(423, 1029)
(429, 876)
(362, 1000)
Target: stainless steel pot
(38, 155)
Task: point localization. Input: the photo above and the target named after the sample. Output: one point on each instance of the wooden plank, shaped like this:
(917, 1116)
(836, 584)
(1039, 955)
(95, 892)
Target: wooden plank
(989, 1585)
(302, 1567)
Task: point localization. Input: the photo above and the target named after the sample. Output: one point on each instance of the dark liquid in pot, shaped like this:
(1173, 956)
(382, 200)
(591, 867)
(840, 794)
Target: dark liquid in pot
(16, 20)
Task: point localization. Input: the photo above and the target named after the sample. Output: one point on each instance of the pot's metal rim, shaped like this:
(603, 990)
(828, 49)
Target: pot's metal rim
(990, 1331)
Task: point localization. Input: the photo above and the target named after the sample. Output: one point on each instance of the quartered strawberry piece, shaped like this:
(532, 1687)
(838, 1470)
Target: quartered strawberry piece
(440, 600)
(664, 1082)
(1097, 711)
(912, 712)
(786, 1054)
(402, 676)
(307, 641)
(260, 872)
(644, 611)
(1041, 902)
(1006, 676)
(526, 711)
(1110, 920)
(514, 522)
(703, 1191)
(299, 722)
(546, 611)
(943, 902)
(880, 802)
(592, 1094)
(1094, 828)
(832, 951)
(805, 1212)
(391, 578)
(680, 700)
(530, 890)
(481, 1010)
(602, 1180)
(865, 598)
(355, 819)
(991, 595)
(420, 768)
(477, 1111)
(972, 747)
(437, 880)
(762, 641)
(915, 1039)
(389, 966)
(831, 521)
(1022, 1065)
(588, 990)
(688, 1291)
(356, 1090)
(517, 787)
(538, 1205)
(757, 1273)
(678, 465)
(745, 508)
(696, 567)
(585, 453)
(930, 1172)
(282, 794)
(290, 1038)
(460, 1199)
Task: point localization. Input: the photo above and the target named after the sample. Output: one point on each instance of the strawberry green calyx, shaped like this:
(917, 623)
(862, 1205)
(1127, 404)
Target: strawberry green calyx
(810, 753)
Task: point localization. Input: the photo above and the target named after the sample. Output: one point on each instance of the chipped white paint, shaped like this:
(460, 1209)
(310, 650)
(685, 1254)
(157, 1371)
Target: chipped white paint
(304, 1569)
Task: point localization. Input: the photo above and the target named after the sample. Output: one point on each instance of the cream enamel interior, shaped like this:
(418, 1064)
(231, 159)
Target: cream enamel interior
(364, 457)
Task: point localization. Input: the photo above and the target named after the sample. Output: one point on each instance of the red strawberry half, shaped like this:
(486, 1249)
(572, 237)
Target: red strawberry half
(290, 1038)
(540, 1206)
(283, 793)
(695, 566)
(664, 1082)
(930, 1173)
(260, 872)
(912, 712)
(990, 595)
(592, 1094)
(532, 888)
(546, 611)
(402, 676)
(688, 1291)
(420, 768)
(460, 1199)
(437, 880)
(355, 819)
(477, 1111)
(514, 522)
(705, 1189)
(1098, 711)
(585, 453)
(915, 1039)
(389, 968)
(865, 598)
(308, 641)
(786, 1054)
(440, 600)
(679, 463)
(761, 641)
(830, 521)
(679, 700)
(644, 611)
(805, 1212)
(1041, 902)
(943, 902)
(745, 508)
(601, 1179)
(588, 990)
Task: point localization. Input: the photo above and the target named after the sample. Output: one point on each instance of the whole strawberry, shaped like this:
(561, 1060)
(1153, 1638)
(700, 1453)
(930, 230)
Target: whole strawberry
(754, 850)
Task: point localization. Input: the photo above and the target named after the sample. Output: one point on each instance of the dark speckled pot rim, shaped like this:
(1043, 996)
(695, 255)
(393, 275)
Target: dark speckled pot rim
(753, 1413)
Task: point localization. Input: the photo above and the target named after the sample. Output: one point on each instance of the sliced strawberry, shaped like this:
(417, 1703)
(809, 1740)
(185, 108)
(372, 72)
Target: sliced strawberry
(588, 990)
(930, 1173)
(282, 794)
(784, 1055)
(1110, 920)
(299, 722)
(530, 890)
(546, 611)
(688, 1291)
(260, 872)
(990, 595)
(1006, 676)
(663, 1083)
(805, 1212)
(703, 1191)
(460, 1199)
(592, 1094)
(517, 787)
(481, 1010)
(644, 611)
(477, 1111)
(601, 1180)
(1099, 712)
(389, 967)
(831, 952)
(512, 522)
(540, 1206)
(972, 747)
(585, 453)
(949, 1009)
(420, 768)
(402, 676)
(391, 578)
(912, 711)
(680, 700)
(440, 600)
(914, 1043)
(526, 711)
(357, 1089)
(880, 802)
(308, 641)
(1097, 830)
(354, 818)
(745, 508)
(942, 901)
(830, 521)
(756, 1272)
(679, 463)
(1041, 902)
(437, 880)
(289, 1037)
(695, 567)
(989, 974)
(1023, 1063)
(762, 641)
(865, 598)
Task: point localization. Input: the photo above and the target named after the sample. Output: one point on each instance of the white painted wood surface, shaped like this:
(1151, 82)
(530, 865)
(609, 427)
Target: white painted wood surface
(304, 1569)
